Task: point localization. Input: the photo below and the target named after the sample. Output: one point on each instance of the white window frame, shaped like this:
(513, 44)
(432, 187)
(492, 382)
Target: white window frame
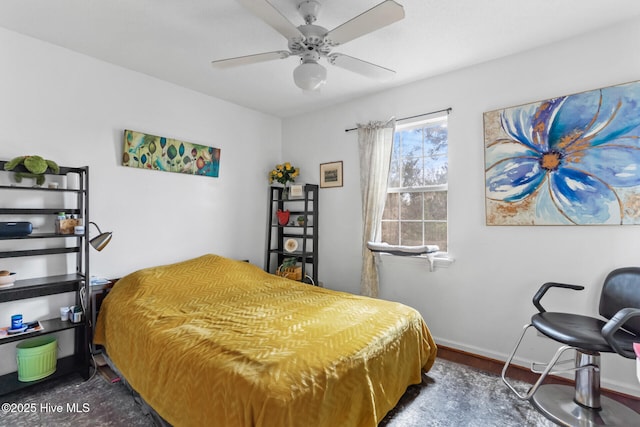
(422, 189)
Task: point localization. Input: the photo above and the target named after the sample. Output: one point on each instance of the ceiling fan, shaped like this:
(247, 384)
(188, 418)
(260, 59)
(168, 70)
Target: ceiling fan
(312, 42)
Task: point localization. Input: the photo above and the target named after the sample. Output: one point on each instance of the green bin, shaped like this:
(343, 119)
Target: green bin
(37, 358)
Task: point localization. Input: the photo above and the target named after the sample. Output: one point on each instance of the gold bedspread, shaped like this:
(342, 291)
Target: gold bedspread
(213, 341)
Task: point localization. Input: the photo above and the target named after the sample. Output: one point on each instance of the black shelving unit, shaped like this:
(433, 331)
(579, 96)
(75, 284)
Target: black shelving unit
(50, 243)
(306, 234)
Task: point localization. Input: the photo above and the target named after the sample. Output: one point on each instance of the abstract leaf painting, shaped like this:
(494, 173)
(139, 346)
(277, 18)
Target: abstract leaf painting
(146, 151)
(571, 160)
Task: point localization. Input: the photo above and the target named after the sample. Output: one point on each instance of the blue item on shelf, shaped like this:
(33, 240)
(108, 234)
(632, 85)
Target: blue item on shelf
(15, 229)
(17, 330)
(16, 321)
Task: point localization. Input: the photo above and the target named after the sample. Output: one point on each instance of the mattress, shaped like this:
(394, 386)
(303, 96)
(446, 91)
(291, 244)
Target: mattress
(214, 341)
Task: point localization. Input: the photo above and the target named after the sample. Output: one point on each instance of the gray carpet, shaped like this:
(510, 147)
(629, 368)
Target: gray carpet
(455, 395)
(449, 395)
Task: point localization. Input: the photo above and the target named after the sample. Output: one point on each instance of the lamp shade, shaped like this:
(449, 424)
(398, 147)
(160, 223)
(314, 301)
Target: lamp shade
(309, 75)
(101, 240)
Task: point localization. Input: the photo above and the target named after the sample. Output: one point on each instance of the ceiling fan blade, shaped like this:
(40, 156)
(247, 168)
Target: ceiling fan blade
(272, 16)
(379, 16)
(249, 59)
(361, 67)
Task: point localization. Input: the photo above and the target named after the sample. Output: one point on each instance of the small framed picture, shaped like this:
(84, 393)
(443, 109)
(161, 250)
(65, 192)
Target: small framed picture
(331, 174)
(295, 191)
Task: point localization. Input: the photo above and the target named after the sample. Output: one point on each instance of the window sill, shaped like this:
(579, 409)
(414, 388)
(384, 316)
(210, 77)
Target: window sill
(433, 261)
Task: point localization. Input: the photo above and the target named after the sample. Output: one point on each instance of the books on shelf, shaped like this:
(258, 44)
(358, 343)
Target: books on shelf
(98, 281)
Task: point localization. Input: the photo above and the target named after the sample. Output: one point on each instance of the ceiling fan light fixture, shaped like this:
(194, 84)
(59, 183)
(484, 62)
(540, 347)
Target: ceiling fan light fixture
(310, 75)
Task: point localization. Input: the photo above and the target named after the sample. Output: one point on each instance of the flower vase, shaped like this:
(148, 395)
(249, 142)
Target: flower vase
(285, 192)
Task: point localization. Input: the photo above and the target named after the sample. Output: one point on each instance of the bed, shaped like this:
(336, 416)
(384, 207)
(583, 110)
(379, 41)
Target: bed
(217, 340)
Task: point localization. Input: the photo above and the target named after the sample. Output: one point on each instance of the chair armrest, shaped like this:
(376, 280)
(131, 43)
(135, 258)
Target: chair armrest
(615, 323)
(544, 288)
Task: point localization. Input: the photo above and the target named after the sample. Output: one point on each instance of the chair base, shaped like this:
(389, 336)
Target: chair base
(556, 403)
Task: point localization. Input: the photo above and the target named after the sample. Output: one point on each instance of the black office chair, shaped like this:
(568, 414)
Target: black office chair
(582, 405)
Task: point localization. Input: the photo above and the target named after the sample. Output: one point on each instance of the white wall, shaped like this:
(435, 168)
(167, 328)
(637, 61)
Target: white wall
(73, 109)
(480, 302)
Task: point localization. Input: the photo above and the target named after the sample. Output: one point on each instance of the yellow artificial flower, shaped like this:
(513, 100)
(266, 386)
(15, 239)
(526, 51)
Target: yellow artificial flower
(284, 173)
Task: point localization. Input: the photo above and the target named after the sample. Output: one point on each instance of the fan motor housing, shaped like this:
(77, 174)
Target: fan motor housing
(314, 39)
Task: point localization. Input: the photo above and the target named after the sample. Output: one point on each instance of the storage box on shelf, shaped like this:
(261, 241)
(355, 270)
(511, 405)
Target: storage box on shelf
(74, 199)
(301, 226)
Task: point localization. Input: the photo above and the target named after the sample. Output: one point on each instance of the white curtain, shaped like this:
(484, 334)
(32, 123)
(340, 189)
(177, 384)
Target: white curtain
(375, 141)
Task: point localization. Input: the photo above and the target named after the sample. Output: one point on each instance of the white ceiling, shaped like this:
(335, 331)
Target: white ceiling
(175, 40)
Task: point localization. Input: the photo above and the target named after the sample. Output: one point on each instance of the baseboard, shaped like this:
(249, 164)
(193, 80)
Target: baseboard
(495, 366)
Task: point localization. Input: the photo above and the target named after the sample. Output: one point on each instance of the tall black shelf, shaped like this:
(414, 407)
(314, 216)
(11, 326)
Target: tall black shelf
(34, 287)
(305, 234)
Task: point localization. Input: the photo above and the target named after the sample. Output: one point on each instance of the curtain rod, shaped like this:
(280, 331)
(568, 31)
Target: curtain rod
(448, 110)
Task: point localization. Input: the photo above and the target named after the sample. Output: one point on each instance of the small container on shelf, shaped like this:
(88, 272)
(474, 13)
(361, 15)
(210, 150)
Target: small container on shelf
(293, 273)
(67, 226)
(7, 278)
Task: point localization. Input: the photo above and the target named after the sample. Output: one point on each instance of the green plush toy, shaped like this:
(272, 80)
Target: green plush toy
(35, 165)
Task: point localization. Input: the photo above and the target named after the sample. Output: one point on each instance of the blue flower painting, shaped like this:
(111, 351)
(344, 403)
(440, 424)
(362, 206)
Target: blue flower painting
(572, 160)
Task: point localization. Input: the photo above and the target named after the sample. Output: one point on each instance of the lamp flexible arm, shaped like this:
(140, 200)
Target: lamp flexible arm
(99, 231)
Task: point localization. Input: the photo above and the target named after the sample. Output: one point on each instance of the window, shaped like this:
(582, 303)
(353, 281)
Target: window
(415, 211)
